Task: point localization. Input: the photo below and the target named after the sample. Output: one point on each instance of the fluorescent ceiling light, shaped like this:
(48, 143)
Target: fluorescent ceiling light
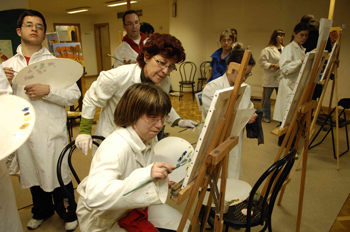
(118, 3)
(77, 10)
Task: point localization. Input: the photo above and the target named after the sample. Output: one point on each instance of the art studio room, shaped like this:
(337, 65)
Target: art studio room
(228, 115)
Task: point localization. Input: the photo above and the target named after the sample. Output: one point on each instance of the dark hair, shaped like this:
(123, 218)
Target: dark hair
(140, 99)
(146, 28)
(274, 35)
(30, 13)
(301, 27)
(235, 40)
(164, 44)
(129, 12)
(236, 56)
(227, 32)
(314, 24)
(306, 18)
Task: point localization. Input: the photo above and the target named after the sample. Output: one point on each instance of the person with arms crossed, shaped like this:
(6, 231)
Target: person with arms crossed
(38, 156)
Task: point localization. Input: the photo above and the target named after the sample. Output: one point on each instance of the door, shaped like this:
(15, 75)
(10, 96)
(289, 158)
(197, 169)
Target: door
(102, 47)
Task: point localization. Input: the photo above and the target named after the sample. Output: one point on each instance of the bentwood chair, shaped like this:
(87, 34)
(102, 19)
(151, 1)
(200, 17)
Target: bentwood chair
(205, 70)
(329, 120)
(257, 209)
(69, 149)
(187, 72)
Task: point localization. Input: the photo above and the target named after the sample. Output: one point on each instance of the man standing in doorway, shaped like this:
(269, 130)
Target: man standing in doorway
(132, 42)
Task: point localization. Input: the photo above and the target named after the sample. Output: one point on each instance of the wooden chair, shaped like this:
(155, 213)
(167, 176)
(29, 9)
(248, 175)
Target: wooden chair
(205, 70)
(187, 72)
(261, 206)
(71, 147)
(329, 120)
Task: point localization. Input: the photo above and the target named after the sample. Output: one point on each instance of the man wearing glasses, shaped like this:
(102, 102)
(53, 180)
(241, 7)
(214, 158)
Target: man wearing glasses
(133, 41)
(38, 156)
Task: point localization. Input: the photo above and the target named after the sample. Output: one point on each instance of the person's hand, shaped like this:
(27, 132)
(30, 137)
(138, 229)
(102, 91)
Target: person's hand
(10, 74)
(187, 123)
(253, 118)
(127, 61)
(302, 60)
(160, 170)
(37, 90)
(83, 142)
(276, 66)
(170, 183)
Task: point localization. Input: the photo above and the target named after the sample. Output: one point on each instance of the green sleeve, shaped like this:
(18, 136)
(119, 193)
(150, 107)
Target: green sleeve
(85, 126)
(175, 123)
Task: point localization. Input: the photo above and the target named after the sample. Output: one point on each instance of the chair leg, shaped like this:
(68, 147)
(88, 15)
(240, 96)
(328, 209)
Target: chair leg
(193, 92)
(180, 94)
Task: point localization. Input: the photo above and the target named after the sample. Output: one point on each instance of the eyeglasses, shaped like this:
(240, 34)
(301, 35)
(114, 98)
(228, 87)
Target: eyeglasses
(249, 74)
(132, 24)
(30, 25)
(155, 120)
(171, 68)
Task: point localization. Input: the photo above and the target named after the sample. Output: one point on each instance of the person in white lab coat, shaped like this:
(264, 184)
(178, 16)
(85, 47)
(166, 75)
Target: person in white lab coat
(132, 42)
(124, 161)
(225, 81)
(268, 60)
(10, 220)
(157, 59)
(290, 63)
(38, 156)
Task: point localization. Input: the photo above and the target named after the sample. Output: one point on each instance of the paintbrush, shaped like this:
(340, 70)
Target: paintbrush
(190, 127)
(183, 162)
(115, 58)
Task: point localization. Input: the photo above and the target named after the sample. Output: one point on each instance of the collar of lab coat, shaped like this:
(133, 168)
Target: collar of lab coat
(43, 51)
(296, 45)
(140, 148)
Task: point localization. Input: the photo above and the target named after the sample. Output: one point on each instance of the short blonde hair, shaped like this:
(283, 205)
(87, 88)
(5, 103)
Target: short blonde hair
(141, 99)
(227, 32)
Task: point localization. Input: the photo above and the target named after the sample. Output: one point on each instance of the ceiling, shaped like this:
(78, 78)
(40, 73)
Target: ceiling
(96, 6)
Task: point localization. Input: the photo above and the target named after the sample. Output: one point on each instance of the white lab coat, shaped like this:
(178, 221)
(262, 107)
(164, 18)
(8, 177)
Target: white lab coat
(10, 220)
(290, 64)
(122, 163)
(125, 52)
(108, 89)
(270, 55)
(38, 156)
(234, 167)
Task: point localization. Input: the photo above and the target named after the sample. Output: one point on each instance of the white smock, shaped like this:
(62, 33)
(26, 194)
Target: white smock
(10, 220)
(122, 163)
(107, 91)
(270, 55)
(290, 64)
(234, 166)
(38, 156)
(125, 52)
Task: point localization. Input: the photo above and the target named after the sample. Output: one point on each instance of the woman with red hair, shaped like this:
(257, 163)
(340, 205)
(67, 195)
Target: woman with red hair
(154, 64)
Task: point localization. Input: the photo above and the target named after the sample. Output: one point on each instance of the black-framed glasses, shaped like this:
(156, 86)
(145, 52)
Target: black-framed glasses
(171, 68)
(30, 25)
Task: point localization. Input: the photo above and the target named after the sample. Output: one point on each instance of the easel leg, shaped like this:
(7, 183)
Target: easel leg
(336, 117)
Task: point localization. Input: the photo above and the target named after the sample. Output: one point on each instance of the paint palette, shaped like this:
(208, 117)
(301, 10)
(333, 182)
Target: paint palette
(58, 72)
(174, 150)
(17, 120)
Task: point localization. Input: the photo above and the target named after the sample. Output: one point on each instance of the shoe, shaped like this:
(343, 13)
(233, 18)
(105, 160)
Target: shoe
(34, 223)
(266, 120)
(71, 226)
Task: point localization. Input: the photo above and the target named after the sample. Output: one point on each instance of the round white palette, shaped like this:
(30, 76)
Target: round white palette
(170, 150)
(58, 72)
(17, 120)
(235, 189)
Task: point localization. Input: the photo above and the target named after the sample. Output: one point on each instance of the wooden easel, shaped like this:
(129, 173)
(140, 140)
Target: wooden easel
(301, 122)
(216, 160)
(333, 69)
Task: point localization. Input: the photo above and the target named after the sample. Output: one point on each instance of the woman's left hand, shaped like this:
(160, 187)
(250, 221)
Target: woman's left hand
(253, 118)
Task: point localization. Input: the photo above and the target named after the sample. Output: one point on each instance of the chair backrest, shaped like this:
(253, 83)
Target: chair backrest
(188, 71)
(205, 69)
(279, 172)
(71, 147)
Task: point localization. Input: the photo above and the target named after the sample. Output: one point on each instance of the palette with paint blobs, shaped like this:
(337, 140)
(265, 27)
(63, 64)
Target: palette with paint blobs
(58, 72)
(17, 120)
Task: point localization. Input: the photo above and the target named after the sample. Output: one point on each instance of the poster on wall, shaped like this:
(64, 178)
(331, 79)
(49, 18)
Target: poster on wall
(69, 50)
(51, 38)
(5, 50)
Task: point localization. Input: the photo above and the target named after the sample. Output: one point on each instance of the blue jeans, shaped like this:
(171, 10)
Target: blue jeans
(265, 103)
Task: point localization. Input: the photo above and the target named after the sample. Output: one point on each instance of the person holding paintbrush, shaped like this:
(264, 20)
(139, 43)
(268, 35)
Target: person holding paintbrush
(124, 161)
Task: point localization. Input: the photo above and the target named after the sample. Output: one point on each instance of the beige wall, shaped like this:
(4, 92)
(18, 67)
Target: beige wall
(199, 24)
(13, 4)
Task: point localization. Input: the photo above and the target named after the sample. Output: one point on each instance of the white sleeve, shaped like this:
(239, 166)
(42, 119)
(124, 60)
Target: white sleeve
(288, 63)
(207, 97)
(4, 84)
(264, 59)
(64, 97)
(117, 54)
